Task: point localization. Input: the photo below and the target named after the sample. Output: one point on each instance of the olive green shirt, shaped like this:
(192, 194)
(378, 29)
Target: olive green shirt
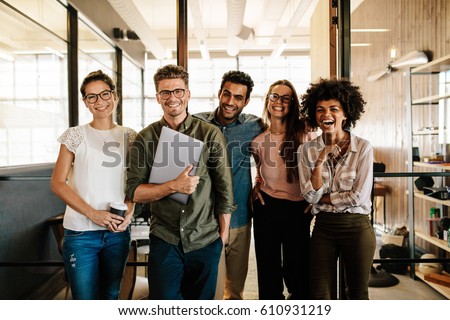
(195, 224)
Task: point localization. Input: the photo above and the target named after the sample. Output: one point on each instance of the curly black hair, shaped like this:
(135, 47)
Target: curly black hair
(342, 90)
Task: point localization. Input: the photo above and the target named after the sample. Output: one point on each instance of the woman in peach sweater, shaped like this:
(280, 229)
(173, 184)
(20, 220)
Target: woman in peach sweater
(281, 216)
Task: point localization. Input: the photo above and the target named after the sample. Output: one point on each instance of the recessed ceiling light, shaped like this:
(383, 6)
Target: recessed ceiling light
(370, 30)
(360, 44)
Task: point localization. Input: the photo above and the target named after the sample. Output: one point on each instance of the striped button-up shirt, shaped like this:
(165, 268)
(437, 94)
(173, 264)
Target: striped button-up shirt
(349, 182)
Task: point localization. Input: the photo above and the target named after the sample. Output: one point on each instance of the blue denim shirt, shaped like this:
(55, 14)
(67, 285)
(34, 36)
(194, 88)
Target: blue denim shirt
(238, 135)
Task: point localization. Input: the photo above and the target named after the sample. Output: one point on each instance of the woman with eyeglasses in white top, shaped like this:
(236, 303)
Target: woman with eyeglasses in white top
(89, 174)
(280, 214)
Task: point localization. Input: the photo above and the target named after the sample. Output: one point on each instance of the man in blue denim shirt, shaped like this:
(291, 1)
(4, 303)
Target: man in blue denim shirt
(239, 130)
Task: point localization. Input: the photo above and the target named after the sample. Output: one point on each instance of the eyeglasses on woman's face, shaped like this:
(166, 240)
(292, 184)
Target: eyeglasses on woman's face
(93, 97)
(284, 99)
(178, 93)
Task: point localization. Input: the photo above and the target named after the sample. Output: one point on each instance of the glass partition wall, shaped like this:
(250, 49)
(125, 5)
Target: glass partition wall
(132, 95)
(34, 84)
(95, 52)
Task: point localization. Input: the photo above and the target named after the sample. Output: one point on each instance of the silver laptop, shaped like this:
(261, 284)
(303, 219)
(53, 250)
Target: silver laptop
(175, 151)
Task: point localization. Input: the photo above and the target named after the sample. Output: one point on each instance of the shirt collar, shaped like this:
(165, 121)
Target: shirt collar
(213, 118)
(187, 123)
(353, 146)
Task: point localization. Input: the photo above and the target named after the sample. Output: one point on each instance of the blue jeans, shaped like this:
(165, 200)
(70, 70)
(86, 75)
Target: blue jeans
(175, 275)
(94, 262)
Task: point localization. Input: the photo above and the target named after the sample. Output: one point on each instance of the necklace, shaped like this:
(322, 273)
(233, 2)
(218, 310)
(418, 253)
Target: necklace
(276, 133)
(108, 136)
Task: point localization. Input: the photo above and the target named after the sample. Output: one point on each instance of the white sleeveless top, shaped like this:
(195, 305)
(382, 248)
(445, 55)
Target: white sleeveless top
(98, 173)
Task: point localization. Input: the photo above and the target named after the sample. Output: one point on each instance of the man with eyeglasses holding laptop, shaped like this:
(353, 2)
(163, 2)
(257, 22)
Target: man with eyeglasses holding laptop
(186, 240)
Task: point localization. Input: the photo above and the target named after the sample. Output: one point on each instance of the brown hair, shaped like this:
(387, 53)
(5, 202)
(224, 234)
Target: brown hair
(294, 130)
(96, 76)
(170, 71)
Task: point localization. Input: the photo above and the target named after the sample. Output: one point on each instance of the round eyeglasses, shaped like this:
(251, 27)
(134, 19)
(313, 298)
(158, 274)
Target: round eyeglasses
(284, 99)
(93, 97)
(177, 93)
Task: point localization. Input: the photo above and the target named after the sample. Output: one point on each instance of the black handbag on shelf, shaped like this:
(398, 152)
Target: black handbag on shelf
(393, 251)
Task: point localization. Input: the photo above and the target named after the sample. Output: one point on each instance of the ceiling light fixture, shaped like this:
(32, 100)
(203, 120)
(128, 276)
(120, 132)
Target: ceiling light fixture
(360, 45)
(279, 50)
(135, 20)
(393, 53)
(204, 51)
(124, 34)
(370, 30)
(6, 56)
(169, 54)
(55, 52)
(410, 59)
(232, 48)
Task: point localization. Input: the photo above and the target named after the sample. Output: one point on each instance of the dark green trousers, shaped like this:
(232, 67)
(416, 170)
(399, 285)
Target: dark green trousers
(350, 236)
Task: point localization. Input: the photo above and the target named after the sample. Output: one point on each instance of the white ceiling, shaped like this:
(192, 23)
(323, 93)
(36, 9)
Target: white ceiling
(253, 26)
(226, 27)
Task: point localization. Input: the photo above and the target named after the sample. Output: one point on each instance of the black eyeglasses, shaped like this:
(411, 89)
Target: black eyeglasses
(178, 93)
(274, 98)
(93, 97)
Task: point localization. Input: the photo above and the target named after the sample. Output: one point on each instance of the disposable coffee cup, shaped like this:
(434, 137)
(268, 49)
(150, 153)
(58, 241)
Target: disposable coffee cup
(118, 208)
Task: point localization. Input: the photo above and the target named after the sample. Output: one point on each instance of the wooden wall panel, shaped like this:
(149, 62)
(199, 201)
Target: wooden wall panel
(414, 25)
(321, 56)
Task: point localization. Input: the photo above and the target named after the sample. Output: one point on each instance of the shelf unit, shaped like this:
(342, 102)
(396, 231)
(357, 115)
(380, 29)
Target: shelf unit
(419, 194)
(426, 132)
(437, 105)
(438, 166)
(445, 291)
(437, 242)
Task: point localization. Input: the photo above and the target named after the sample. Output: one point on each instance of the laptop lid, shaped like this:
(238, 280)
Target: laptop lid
(175, 151)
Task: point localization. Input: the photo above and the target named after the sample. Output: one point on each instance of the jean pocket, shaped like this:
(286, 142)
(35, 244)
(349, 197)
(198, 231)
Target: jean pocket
(72, 233)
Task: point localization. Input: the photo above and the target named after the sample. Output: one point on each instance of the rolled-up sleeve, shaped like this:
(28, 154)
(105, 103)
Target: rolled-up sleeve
(355, 184)
(221, 175)
(138, 170)
(349, 184)
(308, 153)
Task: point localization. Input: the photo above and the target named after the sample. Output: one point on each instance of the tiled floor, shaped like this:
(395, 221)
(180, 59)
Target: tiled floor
(407, 289)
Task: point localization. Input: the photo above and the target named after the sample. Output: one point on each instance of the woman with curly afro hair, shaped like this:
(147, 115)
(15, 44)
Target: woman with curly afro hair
(336, 175)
